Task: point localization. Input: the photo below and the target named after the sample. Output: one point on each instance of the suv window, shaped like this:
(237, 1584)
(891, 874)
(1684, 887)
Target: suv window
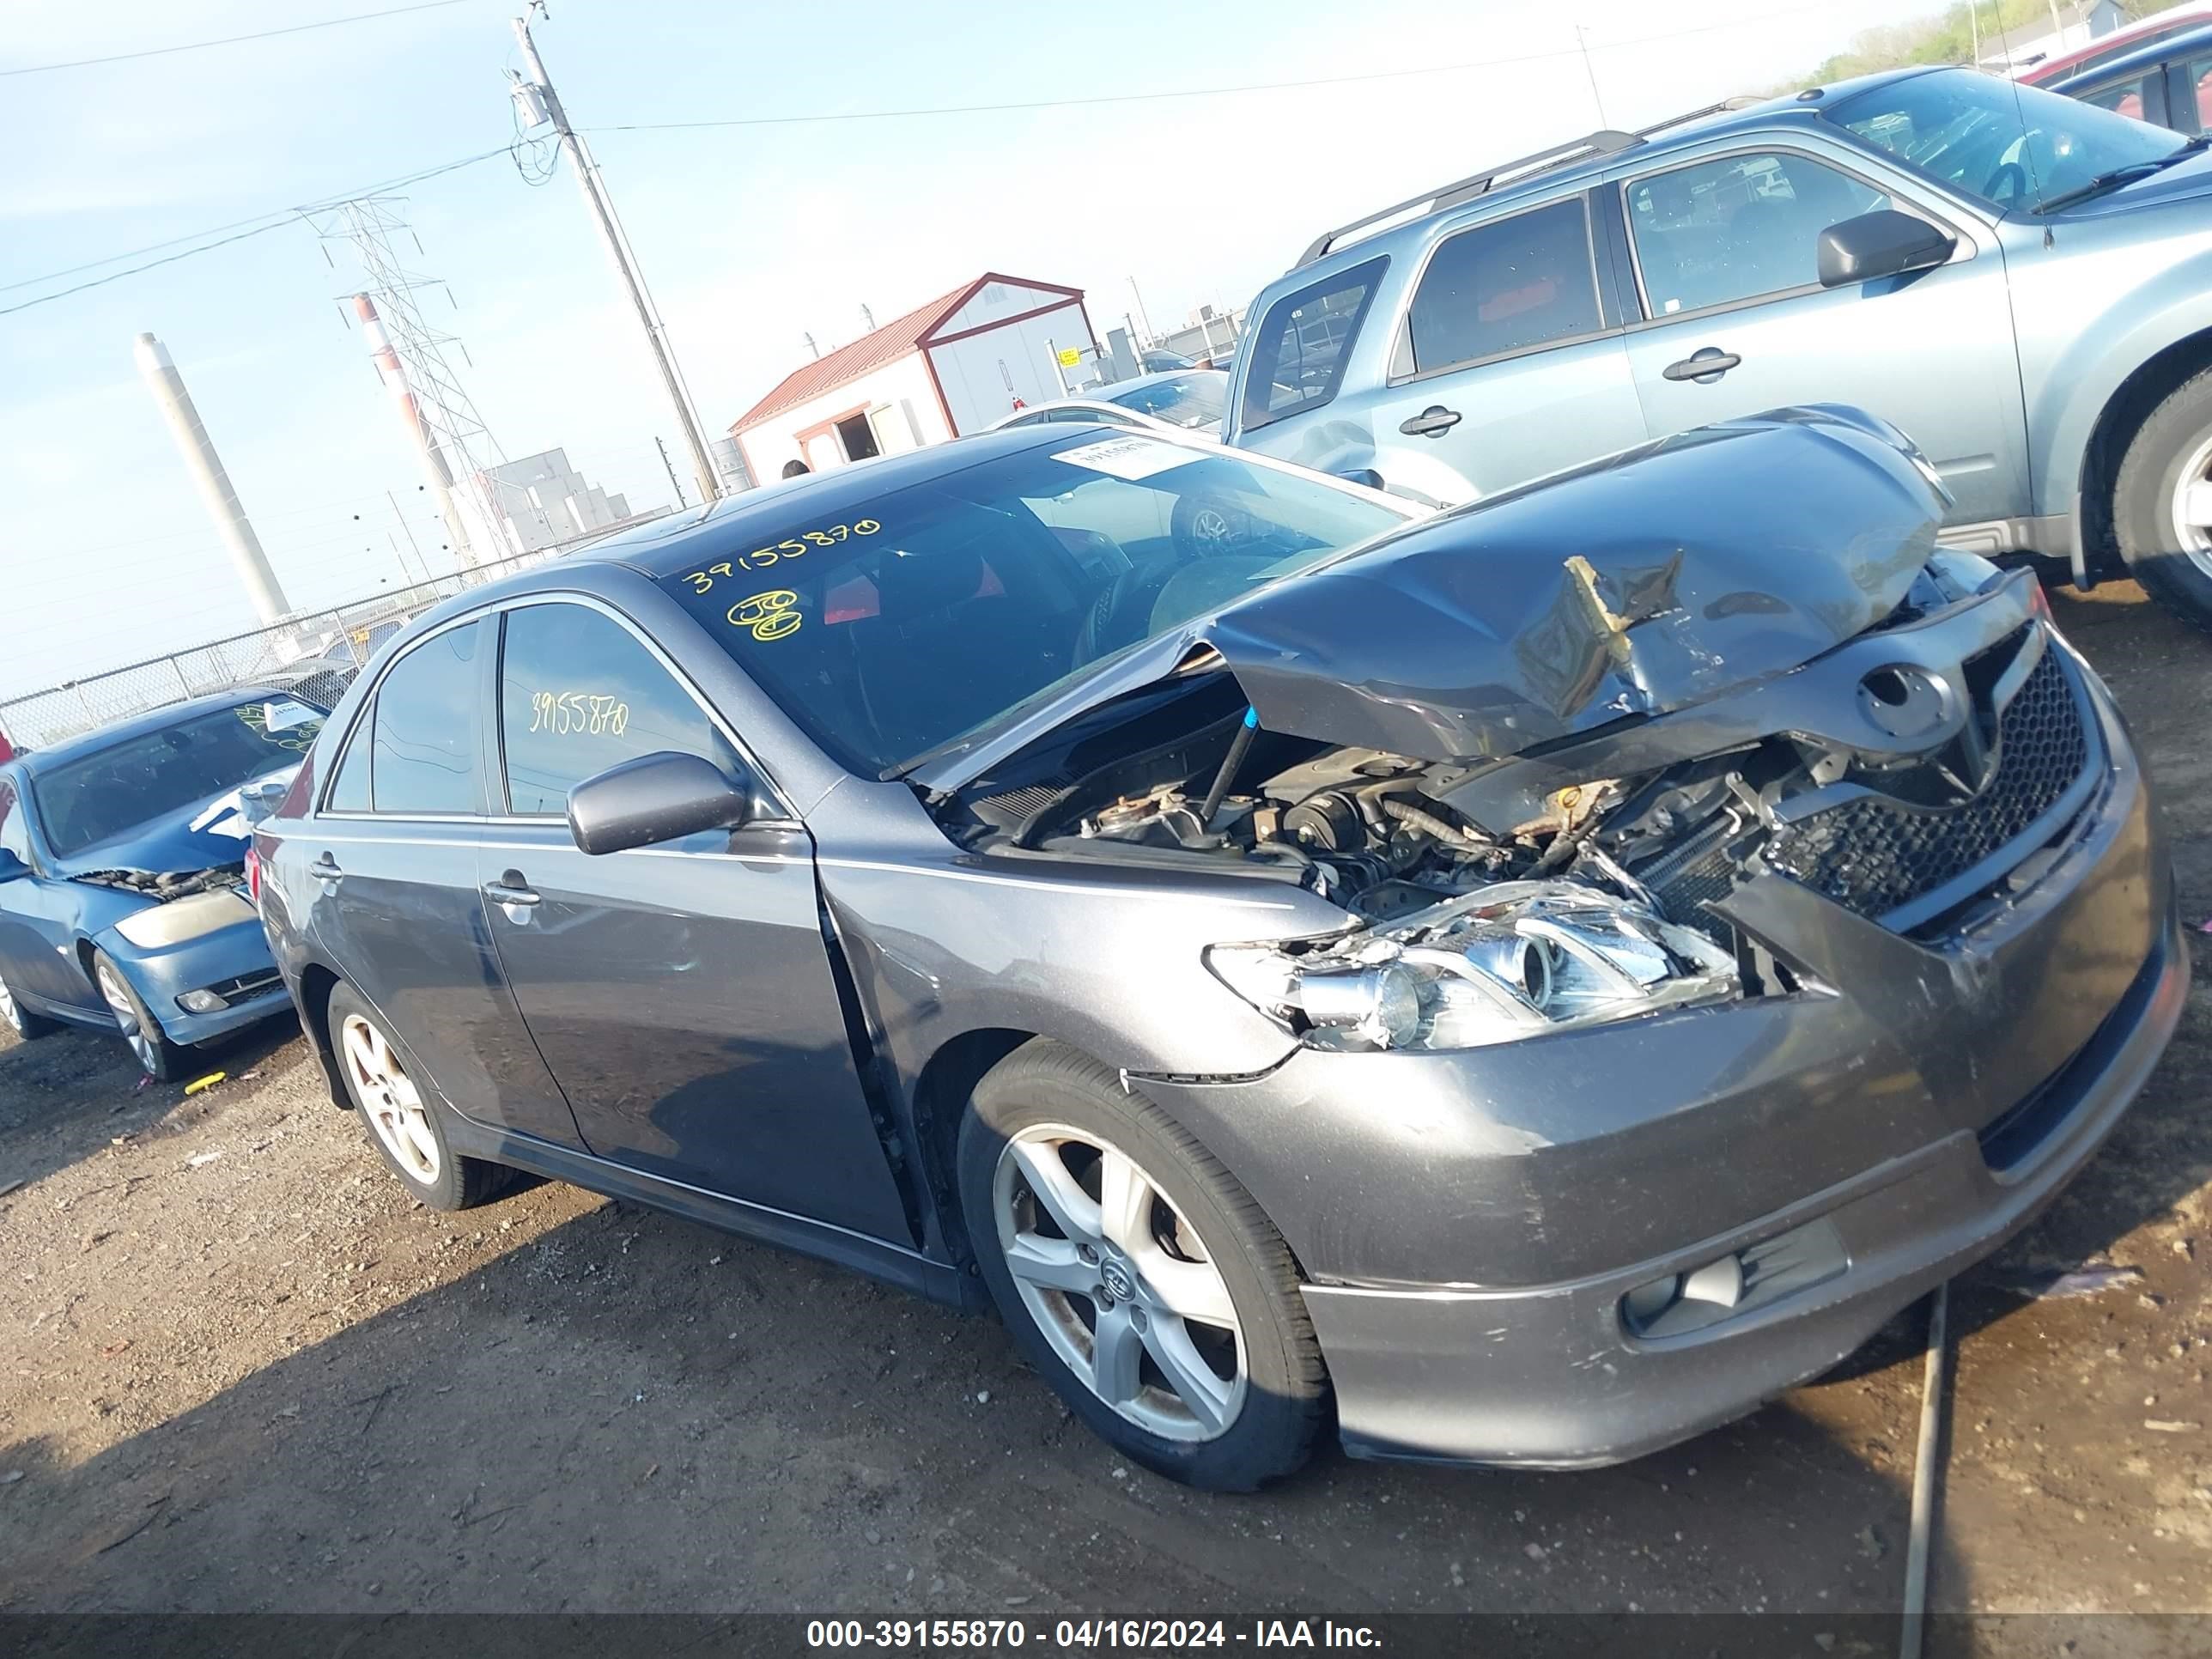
(1297, 351)
(14, 836)
(1737, 227)
(578, 694)
(1523, 282)
(423, 753)
(2130, 97)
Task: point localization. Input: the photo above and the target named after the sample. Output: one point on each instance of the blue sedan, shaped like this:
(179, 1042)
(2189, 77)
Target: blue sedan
(121, 875)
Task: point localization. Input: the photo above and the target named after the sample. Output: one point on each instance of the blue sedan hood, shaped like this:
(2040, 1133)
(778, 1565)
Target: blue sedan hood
(171, 845)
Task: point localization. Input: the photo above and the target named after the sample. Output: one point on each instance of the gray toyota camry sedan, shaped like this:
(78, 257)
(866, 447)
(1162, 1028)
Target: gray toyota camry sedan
(1522, 985)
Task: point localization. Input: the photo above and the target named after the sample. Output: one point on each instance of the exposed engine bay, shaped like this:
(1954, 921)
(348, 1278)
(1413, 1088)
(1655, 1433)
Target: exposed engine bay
(164, 886)
(1486, 899)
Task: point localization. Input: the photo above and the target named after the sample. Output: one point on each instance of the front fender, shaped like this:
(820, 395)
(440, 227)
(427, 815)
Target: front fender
(2083, 332)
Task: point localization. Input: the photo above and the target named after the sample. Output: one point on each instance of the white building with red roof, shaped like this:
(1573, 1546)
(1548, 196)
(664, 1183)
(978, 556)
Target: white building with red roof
(953, 366)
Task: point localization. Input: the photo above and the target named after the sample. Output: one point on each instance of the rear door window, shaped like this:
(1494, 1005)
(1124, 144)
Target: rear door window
(577, 693)
(2135, 97)
(423, 756)
(1739, 227)
(2194, 114)
(1299, 350)
(1513, 285)
(349, 788)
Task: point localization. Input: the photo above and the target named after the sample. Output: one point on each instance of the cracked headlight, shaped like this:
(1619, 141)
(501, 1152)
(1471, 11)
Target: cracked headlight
(1515, 960)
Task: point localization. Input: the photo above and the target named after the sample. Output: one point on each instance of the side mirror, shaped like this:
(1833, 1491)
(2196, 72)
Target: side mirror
(12, 867)
(257, 801)
(1887, 243)
(650, 799)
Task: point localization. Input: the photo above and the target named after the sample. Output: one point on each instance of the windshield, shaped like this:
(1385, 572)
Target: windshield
(941, 608)
(112, 791)
(2011, 146)
(1194, 400)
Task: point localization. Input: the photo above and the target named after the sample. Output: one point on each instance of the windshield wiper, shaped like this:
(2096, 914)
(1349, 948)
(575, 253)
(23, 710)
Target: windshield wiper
(2115, 177)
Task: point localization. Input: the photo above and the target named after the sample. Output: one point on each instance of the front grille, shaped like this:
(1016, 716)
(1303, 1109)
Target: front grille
(1874, 856)
(248, 985)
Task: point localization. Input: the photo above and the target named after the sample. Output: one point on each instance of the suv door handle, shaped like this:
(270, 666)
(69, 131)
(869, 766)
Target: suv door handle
(1431, 422)
(325, 868)
(510, 889)
(1704, 366)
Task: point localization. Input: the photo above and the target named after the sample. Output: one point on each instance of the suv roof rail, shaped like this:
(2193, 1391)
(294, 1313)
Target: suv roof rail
(1606, 141)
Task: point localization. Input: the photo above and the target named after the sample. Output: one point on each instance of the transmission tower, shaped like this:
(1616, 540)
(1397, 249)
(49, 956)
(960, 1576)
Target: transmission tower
(455, 444)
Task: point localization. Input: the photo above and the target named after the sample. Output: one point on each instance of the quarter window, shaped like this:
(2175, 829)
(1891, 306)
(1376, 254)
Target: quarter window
(349, 789)
(1518, 283)
(424, 758)
(1297, 351)
(1721, 231)
(2196, 78)
(2130, 98)
(578, 694)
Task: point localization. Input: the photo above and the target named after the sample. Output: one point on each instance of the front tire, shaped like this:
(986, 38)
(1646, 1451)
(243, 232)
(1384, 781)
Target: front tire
(2162, 503)
(161, 1060)
(398, 1112)
(1137, 1275)
(28, 1026)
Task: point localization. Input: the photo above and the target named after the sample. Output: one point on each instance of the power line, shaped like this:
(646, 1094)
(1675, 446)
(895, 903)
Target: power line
(286, 216)
(229, 40)
(1187, 92)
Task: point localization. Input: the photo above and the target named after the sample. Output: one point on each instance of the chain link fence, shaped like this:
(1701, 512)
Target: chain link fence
(315, 655)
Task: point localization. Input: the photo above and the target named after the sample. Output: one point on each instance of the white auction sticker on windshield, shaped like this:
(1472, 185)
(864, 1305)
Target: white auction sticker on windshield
(1128, 458)
(282, 714)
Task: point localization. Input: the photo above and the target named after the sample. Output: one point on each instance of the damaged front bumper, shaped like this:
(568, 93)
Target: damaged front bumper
(210, 947)
(1475, 1226)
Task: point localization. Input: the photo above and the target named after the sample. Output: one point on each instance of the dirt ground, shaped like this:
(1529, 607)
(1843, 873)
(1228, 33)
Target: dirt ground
(240, 1370)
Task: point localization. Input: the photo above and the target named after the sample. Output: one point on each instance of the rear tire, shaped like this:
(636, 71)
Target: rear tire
(28, 1026)
(1181, 1300)
(2162, 503)
(161, 1060)
(401, 1115)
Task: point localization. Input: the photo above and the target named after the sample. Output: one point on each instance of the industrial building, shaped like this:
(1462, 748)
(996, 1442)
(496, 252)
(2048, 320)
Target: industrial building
(546, 502)
(951, 367)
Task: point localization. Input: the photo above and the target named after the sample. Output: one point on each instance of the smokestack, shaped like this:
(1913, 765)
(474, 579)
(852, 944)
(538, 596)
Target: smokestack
(435, 473)
(213, 482)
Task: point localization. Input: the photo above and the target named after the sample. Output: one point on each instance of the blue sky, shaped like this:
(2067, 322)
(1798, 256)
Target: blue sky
(751, 236)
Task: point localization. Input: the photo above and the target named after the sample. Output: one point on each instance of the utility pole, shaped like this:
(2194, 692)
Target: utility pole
(537, 94)
(680, 502)
(1597, 97)
(424, 563)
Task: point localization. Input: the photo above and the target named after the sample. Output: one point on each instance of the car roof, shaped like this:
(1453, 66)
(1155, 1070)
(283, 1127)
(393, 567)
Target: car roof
(668, 544)
(1572, 167)
(2159, 24)
(2178, 44)
(138, 725)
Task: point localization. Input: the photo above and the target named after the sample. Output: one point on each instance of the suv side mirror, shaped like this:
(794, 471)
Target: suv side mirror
(1887, 243)
(654, 798)
(12, 867)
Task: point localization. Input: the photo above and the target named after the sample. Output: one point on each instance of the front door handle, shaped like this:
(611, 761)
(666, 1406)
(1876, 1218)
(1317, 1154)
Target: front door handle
(1431, 422)
(511, 890)
(1704, 366)
(325, 868)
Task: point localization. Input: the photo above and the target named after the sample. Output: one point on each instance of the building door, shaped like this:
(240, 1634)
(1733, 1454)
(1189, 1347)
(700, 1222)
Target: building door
(854, 436)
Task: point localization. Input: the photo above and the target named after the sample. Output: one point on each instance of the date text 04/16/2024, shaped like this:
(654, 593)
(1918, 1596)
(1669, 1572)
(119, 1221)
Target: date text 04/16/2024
(1087, 1633)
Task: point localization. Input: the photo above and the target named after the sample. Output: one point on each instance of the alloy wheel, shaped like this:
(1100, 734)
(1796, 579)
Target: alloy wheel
(1210, 527)
(117, 995)
(389, 1097)
(2190, 508)
(1119, 1282)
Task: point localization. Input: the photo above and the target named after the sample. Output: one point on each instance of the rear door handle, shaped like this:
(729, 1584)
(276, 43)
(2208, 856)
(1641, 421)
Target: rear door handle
(1431, 422)
(1703, 366)
(511, 890)
(325, 868)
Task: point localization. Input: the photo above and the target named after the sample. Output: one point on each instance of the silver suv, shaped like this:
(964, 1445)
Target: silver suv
(2021, 282)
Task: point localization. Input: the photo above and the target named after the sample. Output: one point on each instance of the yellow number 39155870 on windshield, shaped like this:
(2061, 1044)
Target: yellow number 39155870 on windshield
(702, 581)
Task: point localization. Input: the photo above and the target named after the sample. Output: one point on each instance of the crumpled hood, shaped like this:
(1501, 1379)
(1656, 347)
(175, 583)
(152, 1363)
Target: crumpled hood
(1642, 584)
(208, 834)
(1637, 585)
